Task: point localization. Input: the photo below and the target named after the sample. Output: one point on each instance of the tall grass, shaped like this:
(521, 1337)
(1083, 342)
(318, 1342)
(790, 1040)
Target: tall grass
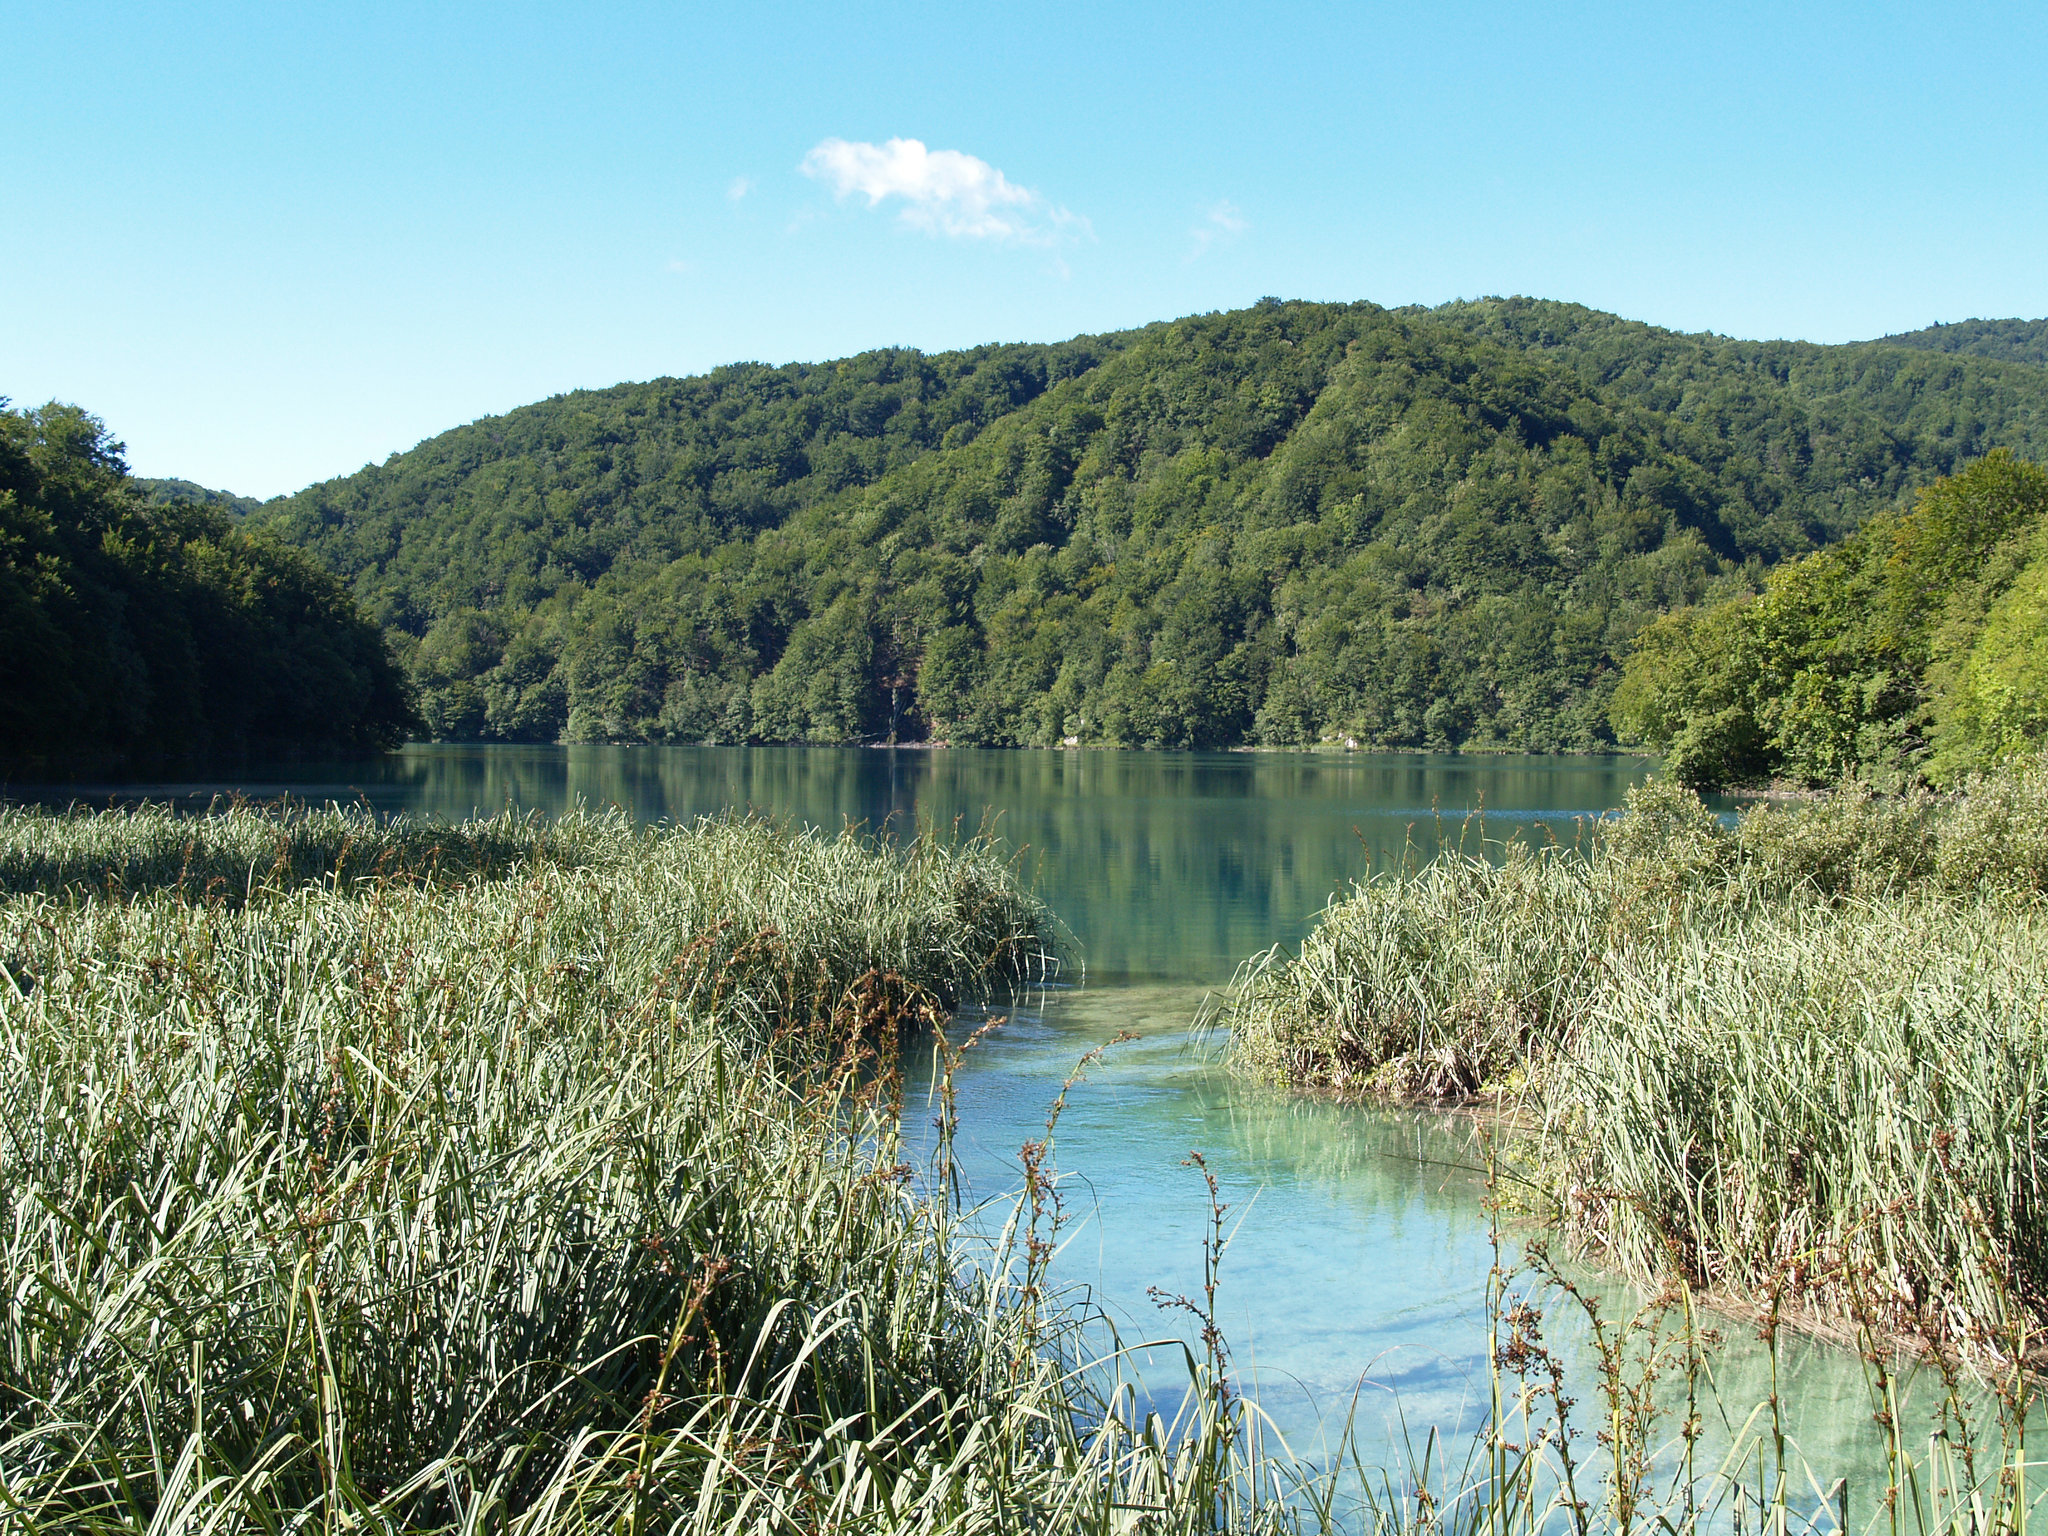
(563, 1191)
(1804, 1057)
(1846, 1106)
(1626, 1447)
(429, 1206)
(238, 849)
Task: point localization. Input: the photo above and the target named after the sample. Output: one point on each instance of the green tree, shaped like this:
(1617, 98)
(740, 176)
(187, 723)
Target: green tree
(133, 626)
(1910, 648)
(1297, 522)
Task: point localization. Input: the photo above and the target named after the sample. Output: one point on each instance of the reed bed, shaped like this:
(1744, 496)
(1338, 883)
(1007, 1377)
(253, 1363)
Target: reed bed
(1847, 1106)
(410, 1205)
(237, 848)
(562, 1191)
(1805, 1057)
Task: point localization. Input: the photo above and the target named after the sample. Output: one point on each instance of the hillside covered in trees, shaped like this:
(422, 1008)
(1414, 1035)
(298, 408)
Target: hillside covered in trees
(1915, 648)
(165, 492)
(132, 626)
(2012, 341)
(1291, 523)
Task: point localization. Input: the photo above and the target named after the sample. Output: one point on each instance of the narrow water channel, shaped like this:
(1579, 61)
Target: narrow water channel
(1354, 1289)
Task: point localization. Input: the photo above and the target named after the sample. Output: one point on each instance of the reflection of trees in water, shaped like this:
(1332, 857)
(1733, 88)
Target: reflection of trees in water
(1163, 863)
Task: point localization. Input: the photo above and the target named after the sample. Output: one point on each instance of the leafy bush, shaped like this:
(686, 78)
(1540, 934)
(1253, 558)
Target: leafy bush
(1996, 837)
(1857, 842)
(1666, 836)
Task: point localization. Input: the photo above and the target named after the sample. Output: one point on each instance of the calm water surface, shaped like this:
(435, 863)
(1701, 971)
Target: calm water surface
(1169, 866)
(1359, 1266)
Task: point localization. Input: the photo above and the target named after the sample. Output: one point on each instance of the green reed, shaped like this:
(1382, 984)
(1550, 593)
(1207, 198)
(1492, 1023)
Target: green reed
(1784, 1073)
(238, 848)
(566, 1200)
(1807, 1052)
(562, 1190)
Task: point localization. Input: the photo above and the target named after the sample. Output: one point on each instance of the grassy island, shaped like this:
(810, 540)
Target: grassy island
(1805, 1056)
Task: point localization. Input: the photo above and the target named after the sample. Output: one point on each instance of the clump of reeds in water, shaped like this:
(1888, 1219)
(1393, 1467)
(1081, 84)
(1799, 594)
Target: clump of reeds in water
(1809, 1052)
(239, 849)
(1639, 1437)
(566, 1199)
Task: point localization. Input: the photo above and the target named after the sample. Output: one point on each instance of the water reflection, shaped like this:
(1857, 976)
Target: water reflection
(1168, 865)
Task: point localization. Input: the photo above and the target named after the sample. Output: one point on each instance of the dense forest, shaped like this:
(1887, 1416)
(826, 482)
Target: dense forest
(1292, 523)
(165, 492)
(2012, 341)
(134, 626)
(1917, 647)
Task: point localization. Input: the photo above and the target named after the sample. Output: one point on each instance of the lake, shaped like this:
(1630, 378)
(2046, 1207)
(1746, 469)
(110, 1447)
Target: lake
(1358, 1269)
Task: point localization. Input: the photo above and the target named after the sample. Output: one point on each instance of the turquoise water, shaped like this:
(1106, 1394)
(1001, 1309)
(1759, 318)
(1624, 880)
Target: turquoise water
(1169, 866)
(1355, 1285)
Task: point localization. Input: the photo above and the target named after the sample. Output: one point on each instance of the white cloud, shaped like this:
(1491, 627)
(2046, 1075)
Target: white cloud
(739, 188)
(943, 192)
(1224, 221)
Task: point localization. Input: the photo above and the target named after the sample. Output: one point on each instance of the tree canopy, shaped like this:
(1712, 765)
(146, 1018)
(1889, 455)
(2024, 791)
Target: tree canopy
(139, 627)
(2014, 341)
(1915, 648)
(1291, 523)
(160, 492)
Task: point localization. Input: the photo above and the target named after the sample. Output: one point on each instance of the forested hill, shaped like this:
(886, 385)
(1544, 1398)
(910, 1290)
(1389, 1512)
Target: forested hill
(1288, 523)
(1916, 648)
(132, 626)
(2013, 341)
(166, 493)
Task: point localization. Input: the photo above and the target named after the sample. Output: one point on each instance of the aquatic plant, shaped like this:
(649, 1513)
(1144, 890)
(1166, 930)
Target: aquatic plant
(563, 1191)
(237, 849)
(1631, 1449)
(432, 1206)
(1812, 1046)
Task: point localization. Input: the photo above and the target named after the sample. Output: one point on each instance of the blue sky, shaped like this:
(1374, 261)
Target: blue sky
(270, 243)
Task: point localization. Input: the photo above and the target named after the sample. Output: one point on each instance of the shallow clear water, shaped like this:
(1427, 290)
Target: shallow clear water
(1359, 1266)
(1354, 1287)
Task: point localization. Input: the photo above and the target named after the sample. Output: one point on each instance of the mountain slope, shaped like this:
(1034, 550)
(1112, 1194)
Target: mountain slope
(1288, 523)
(1814, 436)
(2012, 341)
(164, 493)
(512, 509)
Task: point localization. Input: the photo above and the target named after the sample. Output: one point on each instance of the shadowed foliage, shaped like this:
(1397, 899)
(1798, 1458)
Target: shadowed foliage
(132, 626)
